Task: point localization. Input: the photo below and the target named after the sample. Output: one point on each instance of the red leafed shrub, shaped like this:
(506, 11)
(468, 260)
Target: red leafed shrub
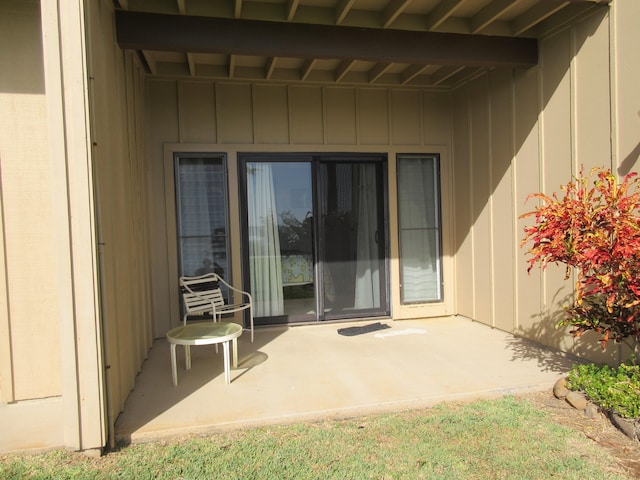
(594, 229)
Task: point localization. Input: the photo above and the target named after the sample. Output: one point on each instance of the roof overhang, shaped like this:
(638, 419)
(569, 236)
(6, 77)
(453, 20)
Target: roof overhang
(198, 34)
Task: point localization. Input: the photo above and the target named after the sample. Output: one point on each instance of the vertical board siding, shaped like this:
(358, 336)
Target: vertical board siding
(481, 199)
(557, 153)
(625, 92)
(30, 357)
(340, 116)
(502, 208)
(234, 113)
(373, 116)
(121, 173)
(462, 192)
(406, 117)
(197, 112)
(436, 122)
(527, 131)
(270, 114)
(592, 111)
(305, 112)
(527, 166)
(161, 127)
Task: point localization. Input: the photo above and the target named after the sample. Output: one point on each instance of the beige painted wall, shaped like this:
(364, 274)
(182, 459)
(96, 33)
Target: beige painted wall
(117, 95)
(30, 366)
(234, 116)
(524, 132)
(63, 171)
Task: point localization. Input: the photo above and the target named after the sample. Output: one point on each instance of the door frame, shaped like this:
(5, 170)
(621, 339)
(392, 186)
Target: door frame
(315, 159)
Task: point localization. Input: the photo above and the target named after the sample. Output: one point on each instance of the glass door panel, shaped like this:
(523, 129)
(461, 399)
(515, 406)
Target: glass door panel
(352, 242)
(281, 254)
(315, 217)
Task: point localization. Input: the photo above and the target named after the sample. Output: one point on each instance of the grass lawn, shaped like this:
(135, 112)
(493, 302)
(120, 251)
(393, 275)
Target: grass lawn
(507, 438)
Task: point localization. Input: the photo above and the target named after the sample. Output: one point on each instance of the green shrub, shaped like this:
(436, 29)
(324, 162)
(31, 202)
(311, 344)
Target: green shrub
(613, 388)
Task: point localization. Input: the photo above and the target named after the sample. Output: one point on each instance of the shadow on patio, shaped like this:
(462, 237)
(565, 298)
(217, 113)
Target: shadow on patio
(311, 372)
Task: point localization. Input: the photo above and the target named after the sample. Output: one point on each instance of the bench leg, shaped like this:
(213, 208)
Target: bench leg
(174, 368)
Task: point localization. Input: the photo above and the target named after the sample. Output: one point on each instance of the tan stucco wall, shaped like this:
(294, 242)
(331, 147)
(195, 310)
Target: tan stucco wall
(525, 132)
(236, 116)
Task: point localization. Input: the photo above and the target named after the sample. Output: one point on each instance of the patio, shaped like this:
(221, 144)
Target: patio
(311, 372)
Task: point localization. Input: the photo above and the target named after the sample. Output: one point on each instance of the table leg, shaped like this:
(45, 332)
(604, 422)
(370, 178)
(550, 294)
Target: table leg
(227, 373)
(174, 368)
(235, 353)
(187, 356)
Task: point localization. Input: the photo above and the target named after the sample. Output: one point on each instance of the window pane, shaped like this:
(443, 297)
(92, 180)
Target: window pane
(202, 215)
(419, 221)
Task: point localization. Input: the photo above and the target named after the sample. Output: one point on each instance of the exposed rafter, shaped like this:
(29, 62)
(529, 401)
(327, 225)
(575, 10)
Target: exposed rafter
(232, 66)
(149, 31)
(411, 72)
(443, 11)
(376, 72)
(444, 74)
(192, 65)
(343, 69)
(537, 14)
(270, 67)
(343, 10)
(291, 9)
(490, 13)
(393, 11)
(307, 68)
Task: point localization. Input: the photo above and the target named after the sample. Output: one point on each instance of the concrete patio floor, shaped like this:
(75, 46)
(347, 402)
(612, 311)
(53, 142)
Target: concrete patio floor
(307, 373)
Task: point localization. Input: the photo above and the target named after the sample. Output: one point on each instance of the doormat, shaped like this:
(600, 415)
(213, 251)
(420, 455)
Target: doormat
(352, 331)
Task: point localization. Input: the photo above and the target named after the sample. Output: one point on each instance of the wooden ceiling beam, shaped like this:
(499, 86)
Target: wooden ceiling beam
(198, 34)
(443, 11)
(291, 9)
(393, 11)
(343, 69)
(537, 14)
(491, 13)
(343, 10)
(376, 72)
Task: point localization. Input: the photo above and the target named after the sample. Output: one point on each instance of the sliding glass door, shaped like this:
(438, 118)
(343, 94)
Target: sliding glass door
(315, 236)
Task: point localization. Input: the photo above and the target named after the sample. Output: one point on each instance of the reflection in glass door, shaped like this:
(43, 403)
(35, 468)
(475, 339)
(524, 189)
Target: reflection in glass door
(280, 239)
(315, 237)
(352, 240)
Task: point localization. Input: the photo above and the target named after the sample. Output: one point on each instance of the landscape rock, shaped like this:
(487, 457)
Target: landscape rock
(628, 427)
(577, 400)
(560, 389)
(592, 411)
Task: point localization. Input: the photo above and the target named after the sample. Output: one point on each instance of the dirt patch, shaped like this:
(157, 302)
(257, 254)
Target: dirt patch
(622, 449)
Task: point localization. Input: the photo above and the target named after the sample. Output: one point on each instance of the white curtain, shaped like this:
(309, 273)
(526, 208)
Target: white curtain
(264, 242)
(367, 292)
(419, 253)
(196, 208)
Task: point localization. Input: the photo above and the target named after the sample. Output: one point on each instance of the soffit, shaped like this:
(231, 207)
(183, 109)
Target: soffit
(363, 42)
